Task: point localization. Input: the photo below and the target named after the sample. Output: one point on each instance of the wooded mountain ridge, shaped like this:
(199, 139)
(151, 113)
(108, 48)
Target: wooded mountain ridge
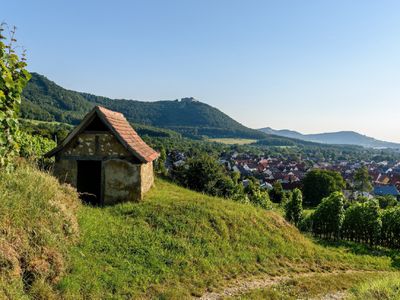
(46, 101)
(340, 137)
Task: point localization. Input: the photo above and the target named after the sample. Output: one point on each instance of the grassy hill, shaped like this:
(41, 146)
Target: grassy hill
(38, 225)
(177, 243)
(46, 101)
(174, 244)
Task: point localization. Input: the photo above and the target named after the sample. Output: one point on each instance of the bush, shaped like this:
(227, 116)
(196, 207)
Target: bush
(294, 207)
(13, 79)
(203, 173)
(387, 201)
(328, 217)
(390, 233)
(362, 222)
(257, 196)
(277, 192)
(35, 147)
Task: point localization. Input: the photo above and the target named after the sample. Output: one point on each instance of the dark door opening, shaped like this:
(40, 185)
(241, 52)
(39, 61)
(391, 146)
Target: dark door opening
(89, 181)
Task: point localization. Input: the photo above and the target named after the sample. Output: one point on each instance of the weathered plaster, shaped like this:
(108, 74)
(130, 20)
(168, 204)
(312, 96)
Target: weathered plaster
(124, 178)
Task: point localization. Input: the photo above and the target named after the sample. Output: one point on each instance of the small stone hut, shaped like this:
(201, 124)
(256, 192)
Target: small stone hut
(105, 159)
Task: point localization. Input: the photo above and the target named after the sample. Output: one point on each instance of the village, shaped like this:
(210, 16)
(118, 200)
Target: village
(384, 175)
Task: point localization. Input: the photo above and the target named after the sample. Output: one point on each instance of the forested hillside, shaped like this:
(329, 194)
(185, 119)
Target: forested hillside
(46, 101)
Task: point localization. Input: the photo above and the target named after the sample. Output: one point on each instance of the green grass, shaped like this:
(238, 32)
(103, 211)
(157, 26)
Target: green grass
(177, 243)
(232, 141)
(384, 288)
(37, 226)
(314, 286)
(174, 244)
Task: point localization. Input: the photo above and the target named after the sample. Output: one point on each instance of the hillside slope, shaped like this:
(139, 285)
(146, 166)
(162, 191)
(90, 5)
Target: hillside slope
(46, 101)
(340, 138)
(38, 224)
(177, 243)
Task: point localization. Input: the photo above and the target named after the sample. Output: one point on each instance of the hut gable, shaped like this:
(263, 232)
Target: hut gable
(101, 120)
(105, 159)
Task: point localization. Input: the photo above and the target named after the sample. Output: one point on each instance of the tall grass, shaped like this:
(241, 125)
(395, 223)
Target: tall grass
(37, 224)
(386, 288)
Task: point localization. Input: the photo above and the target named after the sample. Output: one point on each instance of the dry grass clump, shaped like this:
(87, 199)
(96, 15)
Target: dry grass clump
(37, 224)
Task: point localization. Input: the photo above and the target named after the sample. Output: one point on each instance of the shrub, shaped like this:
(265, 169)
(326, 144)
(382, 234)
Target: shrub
(294, 207)
(328, 217)
(13, 78)
(203, 173)
(387, 201)
(390, 233)
(257, 196)
(277, 192)
(362, 222)
(35, 147)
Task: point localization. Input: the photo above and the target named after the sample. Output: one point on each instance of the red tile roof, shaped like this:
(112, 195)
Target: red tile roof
(128, 135)
(121, 128)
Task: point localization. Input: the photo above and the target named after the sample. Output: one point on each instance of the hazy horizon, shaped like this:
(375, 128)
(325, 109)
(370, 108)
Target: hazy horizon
(309, 66)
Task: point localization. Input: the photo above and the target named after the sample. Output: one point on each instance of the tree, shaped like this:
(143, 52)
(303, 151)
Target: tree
(328, 218)
(362, 180)
(13, 78)
(277, 192)
(387, 201)
(203, 173)
(319, 184)
(294, 207)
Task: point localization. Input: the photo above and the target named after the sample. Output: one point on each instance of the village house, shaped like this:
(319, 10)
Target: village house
(105, 159)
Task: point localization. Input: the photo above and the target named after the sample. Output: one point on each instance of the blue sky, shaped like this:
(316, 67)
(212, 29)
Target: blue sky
(312, 66)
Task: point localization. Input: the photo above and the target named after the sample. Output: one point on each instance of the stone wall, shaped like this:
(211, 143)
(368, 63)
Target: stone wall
(66, 171)
(99, 144)
(147, 177)
(121, 181)
(124, 178)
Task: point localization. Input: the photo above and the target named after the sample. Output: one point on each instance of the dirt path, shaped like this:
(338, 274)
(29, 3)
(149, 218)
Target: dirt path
(239, 286)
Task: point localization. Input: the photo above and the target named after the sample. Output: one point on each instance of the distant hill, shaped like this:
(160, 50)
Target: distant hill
(340, 137)
(46, 101)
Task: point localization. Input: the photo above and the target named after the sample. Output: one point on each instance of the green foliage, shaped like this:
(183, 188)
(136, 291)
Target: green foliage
(387, 201)
(362, 222)
(277, 193)
(35, 147)
(390, 235)
(46, 101)
(319, 184)
(51, 130)
(203, 173)
(13, 78)
(294, 207)
(328, 218)
(362, 180)
(257, 196)
(159, 164)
